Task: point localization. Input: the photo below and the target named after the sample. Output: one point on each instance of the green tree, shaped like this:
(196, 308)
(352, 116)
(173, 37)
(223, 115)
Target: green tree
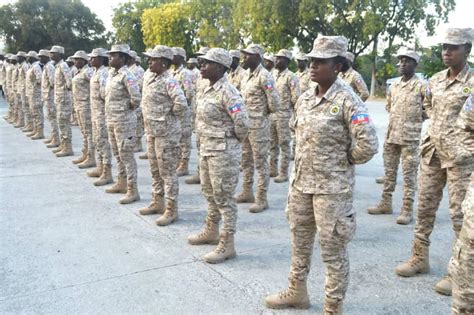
(127, 22)
(36, 24)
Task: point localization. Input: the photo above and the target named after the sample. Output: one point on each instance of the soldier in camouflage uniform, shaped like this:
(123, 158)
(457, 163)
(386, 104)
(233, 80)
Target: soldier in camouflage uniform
(21, 91)
(261, 98)
(33, 94)
(322, 180)
(185, 79)
(222, 124)
(164, 108)
(47, 96)
(99, 61)
(405, 105)
(354, 79)
(442, 161)
(236, 71)
(62, 100)
(122, 98)
(461, 266)
(303, 72)
(82, 103)
(269, 62)
(17, 111)
(7, 66)
(288, 87)
(201, 85)
(138, 72)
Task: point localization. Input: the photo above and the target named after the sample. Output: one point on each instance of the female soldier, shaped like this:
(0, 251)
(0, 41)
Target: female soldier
(100, 62)
(320, 193)
(221, 124)
(122, 97)
(164, 108)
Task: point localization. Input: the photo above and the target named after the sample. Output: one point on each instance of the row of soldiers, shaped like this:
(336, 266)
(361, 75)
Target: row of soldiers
(239, 115)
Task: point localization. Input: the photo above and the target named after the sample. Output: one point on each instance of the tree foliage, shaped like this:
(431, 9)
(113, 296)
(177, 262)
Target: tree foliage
(37, 24)
(168, 24)
(127, 22)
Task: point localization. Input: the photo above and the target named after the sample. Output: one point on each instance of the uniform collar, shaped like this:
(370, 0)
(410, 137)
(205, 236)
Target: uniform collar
(330, 93)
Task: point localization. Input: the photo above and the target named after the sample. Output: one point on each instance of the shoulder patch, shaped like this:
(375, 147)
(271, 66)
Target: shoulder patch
(468, 104)
(237, 107)
(466, 91)
(360, 118)
(268, 86)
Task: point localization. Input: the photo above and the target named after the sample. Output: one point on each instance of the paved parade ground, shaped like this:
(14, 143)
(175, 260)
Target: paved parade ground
(67, 247)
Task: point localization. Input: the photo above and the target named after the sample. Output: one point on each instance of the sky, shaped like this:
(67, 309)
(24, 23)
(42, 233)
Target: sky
(460, 17)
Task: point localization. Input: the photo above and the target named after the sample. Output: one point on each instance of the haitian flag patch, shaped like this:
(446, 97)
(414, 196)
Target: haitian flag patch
(268, 86)
(235, 108)
(360, 118)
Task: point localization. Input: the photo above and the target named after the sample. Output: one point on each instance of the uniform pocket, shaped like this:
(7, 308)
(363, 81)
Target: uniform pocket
(345, 227)
(128, 144)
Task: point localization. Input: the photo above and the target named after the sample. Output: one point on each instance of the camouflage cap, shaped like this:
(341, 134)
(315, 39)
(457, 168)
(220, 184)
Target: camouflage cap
(254, 49)
(284, 53)
(160, 51)
(350, 56)
(8, 56)
(218, 55)
(14, 57)
(203, 50)
(69, 59)
(234, 53)
(408, 53)
(81, 54)
(120, 48)
(98, 52)
(43, 53)
(325, 47)
(459, 36)
(269, 57)
(57, 49)
(178, 51)
(133, 54)
(32, 54)
(301, 56)
(138, 59)
(21, 54)
(192, 60)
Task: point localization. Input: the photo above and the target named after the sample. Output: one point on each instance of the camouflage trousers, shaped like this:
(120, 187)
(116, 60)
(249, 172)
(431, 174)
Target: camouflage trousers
(185, 143)
(36, 109)
(333, 217)
(461, 270)
(64, 111)
(163, 157)
(140, 124)
(101, 140)
(19, 109)
(25, 106)
(280, 137)
(255, 154)
(51, 114)
(122, 140)
(410, 161)
(219, 176)
(84, 119)
(433, 178)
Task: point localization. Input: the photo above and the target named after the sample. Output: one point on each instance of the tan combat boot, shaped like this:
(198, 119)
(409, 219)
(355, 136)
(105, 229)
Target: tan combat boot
(273, 170)
(193, 180)
(97, 171)
(32, 133)
(418, 263)
(60, 147)
(261, 202)
(66, 151)
(182, 169)
(380, 180)
(120, 187)
(384, 206)
(144, 156)
(224, 250)
(444, 286)
(89, 161)
(27, 128)
(157, 205)
(54, 142)
(48, 141)
(132, 194)
(106, 176)
(295, 296)
(39, 134)
(82, 158)
(332, 307)
(170, 215)
(246, 196)
(208, 235)
(282, 177)
(406, 214)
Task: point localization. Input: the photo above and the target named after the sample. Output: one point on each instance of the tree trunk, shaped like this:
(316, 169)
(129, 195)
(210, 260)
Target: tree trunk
(374, 66)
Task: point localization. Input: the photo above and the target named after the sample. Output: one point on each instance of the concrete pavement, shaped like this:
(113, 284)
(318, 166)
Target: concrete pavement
(68, 247)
